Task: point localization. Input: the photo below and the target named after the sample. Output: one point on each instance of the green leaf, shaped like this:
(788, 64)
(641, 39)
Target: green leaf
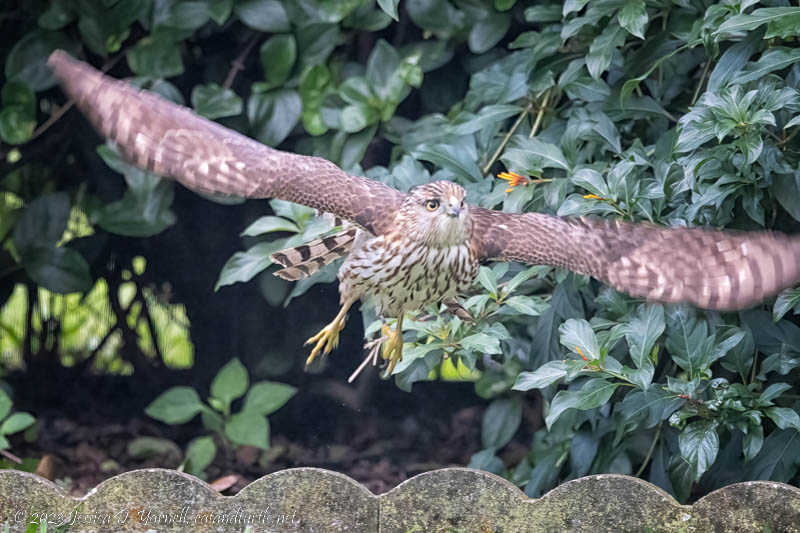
(189, 16)
(230, 382)
(772, 392)
(248, 429)
(487, 32)
(273, 115)
(144, 209)
(643, 331)
(453, 157)
(16, 422)
(18, 94)
(481, 343)
(213, 101)
(5, 404)
(778, 459)
(57, 15)
(699, 445)
(355, 118)
(150, 447)
(199, 454)
(263, 15)
(269, 224)
(501, 421)
(592, 181)
(220, 10)
(390, 8)
(504, 5)
(58, 269)
(783, 417)
(16, 125)
(526, 305)
(773, 59)
(243, 266)
(759, 17)
(486, 460)
(785, 302)
(356, 146)
(489, 116)
(545, 375)
(177, 405)
(531, 155)
(602, 49)
(753, 441)
(595, 393)
(26, 62)
(633, 17)
(733, 60)
(578, 335)
(787, 27)
(314, 84)
(266, 397)
(43, 222)
(156, 58)
(278, 55)
(487, 279)
(653, 406)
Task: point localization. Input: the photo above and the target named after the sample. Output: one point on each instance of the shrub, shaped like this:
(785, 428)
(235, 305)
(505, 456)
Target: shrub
(679, 113)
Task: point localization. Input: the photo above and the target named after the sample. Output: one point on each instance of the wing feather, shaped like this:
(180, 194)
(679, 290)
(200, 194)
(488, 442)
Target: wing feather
(174, 142)
(708, 268)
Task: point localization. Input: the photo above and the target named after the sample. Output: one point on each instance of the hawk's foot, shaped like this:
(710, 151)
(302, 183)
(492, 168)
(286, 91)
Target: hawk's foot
(326, 340)
(393, 346)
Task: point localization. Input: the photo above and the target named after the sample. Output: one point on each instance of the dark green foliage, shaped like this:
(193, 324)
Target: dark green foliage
(671, 113)
(248, 426)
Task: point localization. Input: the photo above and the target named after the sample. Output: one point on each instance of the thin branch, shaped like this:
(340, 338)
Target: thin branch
(505, 140)
(649, 452)
(10, 456)
(539, 115)
(702, 81)
(788, 139)
(238, 63)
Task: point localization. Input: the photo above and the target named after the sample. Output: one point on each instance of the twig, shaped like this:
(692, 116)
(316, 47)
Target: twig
(649, 452)
(788, 139)
(238, 63)
(702, 81)
(539, 115)
(505, 140)
(10, 456)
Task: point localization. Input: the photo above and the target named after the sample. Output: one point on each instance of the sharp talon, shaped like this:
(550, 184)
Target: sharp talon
(326, 340)
(393, 347)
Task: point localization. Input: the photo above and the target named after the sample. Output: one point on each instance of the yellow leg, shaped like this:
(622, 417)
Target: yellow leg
(393, 347)
(328, 338)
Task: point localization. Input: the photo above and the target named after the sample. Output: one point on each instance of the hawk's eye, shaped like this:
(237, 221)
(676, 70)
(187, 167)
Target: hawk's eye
(432, 205)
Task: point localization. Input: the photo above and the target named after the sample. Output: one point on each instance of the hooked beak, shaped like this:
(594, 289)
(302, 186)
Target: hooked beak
(454, 209)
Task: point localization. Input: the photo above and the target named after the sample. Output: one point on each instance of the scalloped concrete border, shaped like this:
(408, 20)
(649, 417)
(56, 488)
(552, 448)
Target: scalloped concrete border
(452, 500)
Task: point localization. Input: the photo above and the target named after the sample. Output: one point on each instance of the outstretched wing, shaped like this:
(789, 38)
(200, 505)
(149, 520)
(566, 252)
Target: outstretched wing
(172, 141)
(711, 269)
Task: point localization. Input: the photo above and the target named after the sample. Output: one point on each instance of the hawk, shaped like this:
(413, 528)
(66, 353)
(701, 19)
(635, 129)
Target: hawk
(407, 250)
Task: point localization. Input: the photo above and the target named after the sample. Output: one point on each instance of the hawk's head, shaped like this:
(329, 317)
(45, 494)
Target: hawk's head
(437, 214)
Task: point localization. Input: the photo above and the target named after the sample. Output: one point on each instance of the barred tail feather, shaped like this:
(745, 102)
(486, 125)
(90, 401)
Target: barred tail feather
(306, 259)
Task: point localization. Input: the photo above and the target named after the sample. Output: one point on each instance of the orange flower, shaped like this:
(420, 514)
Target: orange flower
(580, 353)
(592, 197)
(513, 179)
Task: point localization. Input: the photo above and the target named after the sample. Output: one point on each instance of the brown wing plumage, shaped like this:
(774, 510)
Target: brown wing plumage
(711, 269)
(172, 141)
